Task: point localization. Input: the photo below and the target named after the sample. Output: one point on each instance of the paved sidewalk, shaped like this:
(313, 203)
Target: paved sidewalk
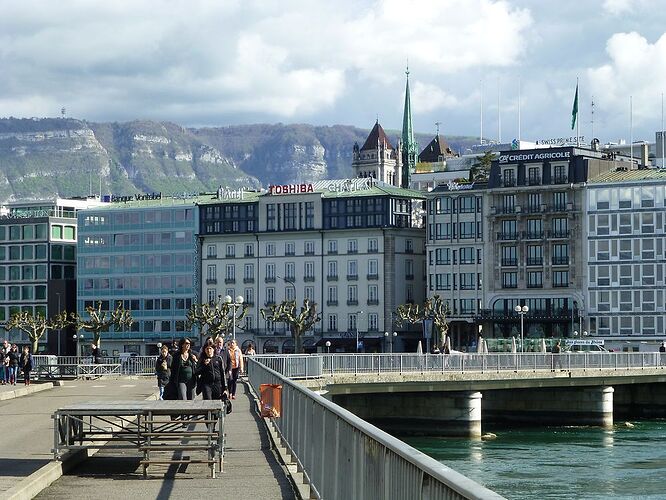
(251, 470)
(27, 427)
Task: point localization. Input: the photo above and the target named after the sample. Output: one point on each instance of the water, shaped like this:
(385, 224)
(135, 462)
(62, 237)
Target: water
(561, 462)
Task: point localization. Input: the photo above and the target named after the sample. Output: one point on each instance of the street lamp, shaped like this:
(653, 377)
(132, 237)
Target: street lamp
(235, 304)
(357, 313)
(390, 340)
(59, 329)
(522, 310)
(78, 339)
(328, 347)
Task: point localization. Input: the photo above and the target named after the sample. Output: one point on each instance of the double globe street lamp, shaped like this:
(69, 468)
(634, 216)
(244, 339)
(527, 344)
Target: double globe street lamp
(390, 340)
(522, 310)
(235, 304)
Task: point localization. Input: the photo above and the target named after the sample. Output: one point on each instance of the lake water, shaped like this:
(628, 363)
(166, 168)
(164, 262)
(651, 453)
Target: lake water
(561, 462)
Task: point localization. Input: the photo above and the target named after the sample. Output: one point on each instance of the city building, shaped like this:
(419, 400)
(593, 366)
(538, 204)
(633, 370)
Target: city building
(352, 246)
(377, 158)
(626, 256)
(141, 251)
(38, 272)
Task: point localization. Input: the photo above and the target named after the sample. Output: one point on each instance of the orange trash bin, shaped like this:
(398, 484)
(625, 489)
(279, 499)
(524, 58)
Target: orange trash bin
(270, 400)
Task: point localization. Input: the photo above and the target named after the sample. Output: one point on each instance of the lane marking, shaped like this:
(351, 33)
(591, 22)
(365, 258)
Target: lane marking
(128, 385)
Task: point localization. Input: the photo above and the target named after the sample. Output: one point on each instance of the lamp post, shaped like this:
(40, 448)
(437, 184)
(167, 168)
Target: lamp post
(235, 304)
(78, 339)
(356, 322)
(390, 339)
(59, 329)
(328, 347)
(522, 311)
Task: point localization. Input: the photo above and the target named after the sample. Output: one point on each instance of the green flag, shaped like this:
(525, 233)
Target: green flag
(574, 110)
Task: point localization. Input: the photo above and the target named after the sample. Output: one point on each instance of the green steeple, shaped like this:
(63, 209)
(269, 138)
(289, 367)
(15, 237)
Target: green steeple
(408, 145)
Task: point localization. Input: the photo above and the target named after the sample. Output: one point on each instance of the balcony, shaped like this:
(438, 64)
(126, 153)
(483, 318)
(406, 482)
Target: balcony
(371, 277)
(332, 277)
(373, 250)
(533, 235)
(373, 302)
(507, 236)
(269, 279)
(534, 180)
(230, 256)
(560, 233)
(560, 207)
(511, 209)
(289, 253)
(535, 261)
(409, 250)
(248, 254)
(309, 279)
(269, 303)
(309, 252)
(409, 277)
(352, 277)
(212, 256)
(331, 303)
(510, 182)
(248, 280)
(535, 285)
(509, 285)
(534, 209)
(560, 261)
(510, 262)
(229, 281)
(560, 179)
(332, 251)
(211, 281)
(352, 250)
(352, 302)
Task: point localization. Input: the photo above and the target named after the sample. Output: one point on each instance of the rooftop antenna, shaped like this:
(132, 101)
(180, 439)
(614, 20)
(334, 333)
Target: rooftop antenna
(519, 81)
(481, 136)
(499, 114)
(62, 113)
(437, 124)
(662, 131)
(631, 128)
(89, 182)
(592, 106)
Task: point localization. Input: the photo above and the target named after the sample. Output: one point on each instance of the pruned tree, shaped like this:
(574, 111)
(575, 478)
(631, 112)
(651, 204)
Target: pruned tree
(299, 321)
(433, 308)
(99, 321)
(36, 326)
(217, 318)
(480, 171)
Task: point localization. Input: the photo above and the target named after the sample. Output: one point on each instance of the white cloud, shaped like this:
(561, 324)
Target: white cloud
(426, 97)
(636, 68)
(616, 7)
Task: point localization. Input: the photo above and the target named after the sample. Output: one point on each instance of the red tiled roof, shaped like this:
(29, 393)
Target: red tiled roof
(377, 137)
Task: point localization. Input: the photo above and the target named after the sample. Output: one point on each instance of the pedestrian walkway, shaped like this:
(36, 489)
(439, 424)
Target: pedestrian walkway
(251, 470)
(27, 427)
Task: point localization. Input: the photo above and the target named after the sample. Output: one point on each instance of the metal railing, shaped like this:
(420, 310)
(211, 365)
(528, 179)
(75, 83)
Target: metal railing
(313, 366)
(48, 366)
(343, 456)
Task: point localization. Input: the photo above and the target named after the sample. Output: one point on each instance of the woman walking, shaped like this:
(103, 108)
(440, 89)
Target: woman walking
(236, 367)
(183, 370)
(26, 364)
(163, 368)
(212, 379)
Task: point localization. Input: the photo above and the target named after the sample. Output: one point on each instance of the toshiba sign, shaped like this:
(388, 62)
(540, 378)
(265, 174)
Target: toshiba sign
(290, 188)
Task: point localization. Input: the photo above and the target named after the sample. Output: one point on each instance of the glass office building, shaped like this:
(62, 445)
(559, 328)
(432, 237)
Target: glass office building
(144, 254)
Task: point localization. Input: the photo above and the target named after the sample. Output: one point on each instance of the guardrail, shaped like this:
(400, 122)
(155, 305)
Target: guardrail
(343, 456)
(316, 365)
(52, 367)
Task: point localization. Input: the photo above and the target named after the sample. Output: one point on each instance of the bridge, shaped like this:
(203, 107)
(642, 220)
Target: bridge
(450, 395)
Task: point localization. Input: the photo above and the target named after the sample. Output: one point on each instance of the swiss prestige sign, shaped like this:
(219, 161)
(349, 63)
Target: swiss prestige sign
(555, 155)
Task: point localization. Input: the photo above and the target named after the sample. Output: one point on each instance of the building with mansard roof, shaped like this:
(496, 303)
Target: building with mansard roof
(377, 158)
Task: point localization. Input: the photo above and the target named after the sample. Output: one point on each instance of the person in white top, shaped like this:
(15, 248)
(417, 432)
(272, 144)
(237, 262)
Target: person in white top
(236, 366)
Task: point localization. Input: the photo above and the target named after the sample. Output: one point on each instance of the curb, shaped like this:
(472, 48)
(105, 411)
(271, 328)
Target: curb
(30, 486)
(26, 390)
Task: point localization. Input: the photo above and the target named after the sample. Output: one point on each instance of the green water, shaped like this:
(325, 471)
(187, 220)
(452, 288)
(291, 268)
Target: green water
(561, 462)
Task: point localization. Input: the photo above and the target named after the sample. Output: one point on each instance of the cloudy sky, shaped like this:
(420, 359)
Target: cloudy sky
(223, 62)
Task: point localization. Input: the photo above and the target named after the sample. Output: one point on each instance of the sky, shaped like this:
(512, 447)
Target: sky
(229, 62)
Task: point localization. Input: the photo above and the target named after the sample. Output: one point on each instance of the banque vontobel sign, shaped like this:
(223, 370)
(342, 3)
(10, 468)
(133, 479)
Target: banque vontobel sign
(549, 155)
(290, 188)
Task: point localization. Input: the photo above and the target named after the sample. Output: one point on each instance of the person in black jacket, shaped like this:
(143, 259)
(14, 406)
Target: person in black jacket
(212, 378)
(224, 354)
(13, 356)
(25, 364)
(183, 370)
(163, 368)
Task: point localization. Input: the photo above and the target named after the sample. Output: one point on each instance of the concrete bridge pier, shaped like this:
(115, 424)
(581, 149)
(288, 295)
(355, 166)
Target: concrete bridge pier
(552, 406)
(453, 414)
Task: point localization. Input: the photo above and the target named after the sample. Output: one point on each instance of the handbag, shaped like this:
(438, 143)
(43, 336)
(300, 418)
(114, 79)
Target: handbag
(227, 406)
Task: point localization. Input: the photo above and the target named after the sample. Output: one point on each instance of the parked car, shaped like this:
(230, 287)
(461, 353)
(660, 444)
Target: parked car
(584, 348)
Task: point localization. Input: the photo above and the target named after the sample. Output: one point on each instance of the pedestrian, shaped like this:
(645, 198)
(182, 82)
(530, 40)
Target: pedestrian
(212, 380)
(250, 350)
(183, 371)
(96, 354)
(4, 362)
(13, 358)
(224, 354)
(236, 367)
(662, 347)
(556, 360)
(25, 362)
(163, 368)
(208, 341)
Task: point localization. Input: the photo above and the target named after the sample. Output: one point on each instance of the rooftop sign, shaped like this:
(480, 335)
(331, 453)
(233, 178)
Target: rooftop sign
(350, 185)
(456, 186)
(290, 188)
(547, 155)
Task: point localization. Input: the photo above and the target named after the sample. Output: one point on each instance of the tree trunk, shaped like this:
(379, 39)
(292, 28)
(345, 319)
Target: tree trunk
(298, 341)
(35, 345)
(97, 336)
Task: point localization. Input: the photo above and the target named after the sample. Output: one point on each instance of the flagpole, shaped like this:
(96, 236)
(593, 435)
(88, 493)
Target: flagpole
(577, 120)
(499, 114)
(662, 131)
(481, 137)
(519, 110)
(631, 129)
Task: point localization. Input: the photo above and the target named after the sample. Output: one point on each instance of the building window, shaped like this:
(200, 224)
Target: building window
(534, 202)
(509, 256)
(534, 255)
(372, 268)
(560, 201)
(270, 217)
(270, 272)
(332, 322)
(509, 231)
(249, 296)
(231, 251)
(466, 204)
(309, 271)
(211, 276)
(289, 271)
(467, 281)
(211, 251)
(290, 216)
(510, 280)
(289, 293)
(561, 279)
(373, 247)
(508, 203)
(467, 230)
(409, 269)
(373, 295)
(372, 322)
(352, 270)
(508, 177)
(211, 296)
(534, 279)
(248, 273)
(410, 293)
(560, 227)
(352, 295)
(270, 249)
(332, 269)
(309, 215)
(249, 250)
(352, 246)
(561, 254)
(534, 176)
(231, 273)
(270, 295)
(290, 248)
(309, 248)
(332, 246)
(332, 296)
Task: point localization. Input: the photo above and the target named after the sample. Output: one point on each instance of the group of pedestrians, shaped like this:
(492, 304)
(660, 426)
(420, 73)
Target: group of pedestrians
(13, 362)
(213, 373)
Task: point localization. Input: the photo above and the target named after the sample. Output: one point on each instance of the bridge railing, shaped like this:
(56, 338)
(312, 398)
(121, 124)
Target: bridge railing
(343, 456)
(51, 366)
(315, 365)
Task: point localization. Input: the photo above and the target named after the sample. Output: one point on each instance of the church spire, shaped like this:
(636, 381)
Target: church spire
(408, 144)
